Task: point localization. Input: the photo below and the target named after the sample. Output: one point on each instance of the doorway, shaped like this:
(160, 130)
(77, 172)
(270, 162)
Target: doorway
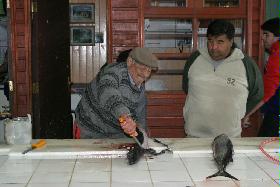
(68, 49)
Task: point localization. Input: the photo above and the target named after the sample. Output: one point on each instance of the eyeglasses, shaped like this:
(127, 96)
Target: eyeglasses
(142, 66)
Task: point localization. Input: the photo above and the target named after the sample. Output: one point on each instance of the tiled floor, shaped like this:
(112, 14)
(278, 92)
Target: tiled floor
(163, 171)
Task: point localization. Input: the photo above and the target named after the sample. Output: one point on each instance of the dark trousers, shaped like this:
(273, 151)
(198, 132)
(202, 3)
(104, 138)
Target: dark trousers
(6, 89)
(270, 126)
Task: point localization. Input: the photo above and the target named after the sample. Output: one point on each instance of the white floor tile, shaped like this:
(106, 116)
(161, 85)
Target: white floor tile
(57, 161)
(92, 166)
(23, 161)
(64, 167)
(174, 184)
(163, 158)
(120, 164)
(15, 178)
(90, 160)
(132, 176)
(196, 155)
(266, 164)
(12, 185)
(210, 183)
(48, 185)
(39, 178)
(261, 156)
(11, 167)
(249, 174)
(130, 184)
(172, 165)
(200, 163)
(75, 184)
(256, 183)
(91, 177)
(3, 159)
(243, 163)
(198, 174)
(273, 172)
(169, 176)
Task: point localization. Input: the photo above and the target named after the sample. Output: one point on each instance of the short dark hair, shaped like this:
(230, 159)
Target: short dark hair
(220, 27)
(272, 25)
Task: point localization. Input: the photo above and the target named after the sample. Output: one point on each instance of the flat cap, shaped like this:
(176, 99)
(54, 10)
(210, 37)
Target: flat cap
(144, 56)
(272, 25)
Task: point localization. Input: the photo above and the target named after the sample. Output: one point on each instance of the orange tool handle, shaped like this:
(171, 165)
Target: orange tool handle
(39, 144)
(122, 121)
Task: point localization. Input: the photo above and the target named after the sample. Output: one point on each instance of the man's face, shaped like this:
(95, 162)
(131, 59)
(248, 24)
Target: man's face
(268, 39)
(139, 73)
(219, 47)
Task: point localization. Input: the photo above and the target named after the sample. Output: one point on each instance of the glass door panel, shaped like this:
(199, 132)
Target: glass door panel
(169, 3)
(168, 35)
(221, 3)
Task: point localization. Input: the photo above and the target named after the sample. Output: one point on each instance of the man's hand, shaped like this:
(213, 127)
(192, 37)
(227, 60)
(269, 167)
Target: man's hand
(128, 125)
(245, 122)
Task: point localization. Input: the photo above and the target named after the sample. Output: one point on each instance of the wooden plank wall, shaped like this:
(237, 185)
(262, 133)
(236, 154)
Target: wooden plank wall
(255, 11)
(165, 114)
(255, 17)
(20, 57)
(125, 26)
(86, 61)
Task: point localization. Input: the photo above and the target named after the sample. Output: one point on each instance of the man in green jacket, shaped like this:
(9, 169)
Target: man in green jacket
(221, 84)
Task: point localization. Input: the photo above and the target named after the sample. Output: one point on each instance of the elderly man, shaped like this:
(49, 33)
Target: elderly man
(222, 84)
(117, 92)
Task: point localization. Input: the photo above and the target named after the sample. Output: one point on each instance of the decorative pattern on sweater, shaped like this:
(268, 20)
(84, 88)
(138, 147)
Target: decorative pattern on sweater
(107, 97)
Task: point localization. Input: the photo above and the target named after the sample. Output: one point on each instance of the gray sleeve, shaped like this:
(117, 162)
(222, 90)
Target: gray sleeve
(255, 83)
(141, 111)
(189, 62)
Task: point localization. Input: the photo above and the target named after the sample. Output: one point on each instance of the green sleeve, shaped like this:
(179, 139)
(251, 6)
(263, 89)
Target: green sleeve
(255, 83)
(188, 64)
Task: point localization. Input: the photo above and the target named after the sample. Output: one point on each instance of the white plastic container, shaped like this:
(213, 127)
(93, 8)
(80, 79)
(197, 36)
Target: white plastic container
(18, 130)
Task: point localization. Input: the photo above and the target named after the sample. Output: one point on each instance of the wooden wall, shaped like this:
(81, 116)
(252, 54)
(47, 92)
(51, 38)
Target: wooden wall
(86, 60)
(165, 114)
(125, 26)
(255, 17)
(20, 56)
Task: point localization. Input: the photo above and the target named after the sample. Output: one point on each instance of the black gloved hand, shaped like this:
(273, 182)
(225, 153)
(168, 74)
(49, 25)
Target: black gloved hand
(134, 154)
(140, 136)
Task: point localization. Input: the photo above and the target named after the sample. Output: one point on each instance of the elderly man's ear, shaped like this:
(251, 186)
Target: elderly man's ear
(129, 62)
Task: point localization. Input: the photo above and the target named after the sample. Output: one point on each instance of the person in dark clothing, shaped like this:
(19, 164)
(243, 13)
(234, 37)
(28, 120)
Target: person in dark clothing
(122, 57)
(4, 75)
(270, 102)
(4, 68)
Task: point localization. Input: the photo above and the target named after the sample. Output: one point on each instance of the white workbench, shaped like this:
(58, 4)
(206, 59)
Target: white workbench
(101, 163)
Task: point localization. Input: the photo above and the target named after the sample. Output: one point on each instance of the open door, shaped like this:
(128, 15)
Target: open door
(51, 103)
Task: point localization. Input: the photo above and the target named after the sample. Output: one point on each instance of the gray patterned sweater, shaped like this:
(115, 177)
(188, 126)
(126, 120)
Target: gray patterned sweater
(107, 97)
